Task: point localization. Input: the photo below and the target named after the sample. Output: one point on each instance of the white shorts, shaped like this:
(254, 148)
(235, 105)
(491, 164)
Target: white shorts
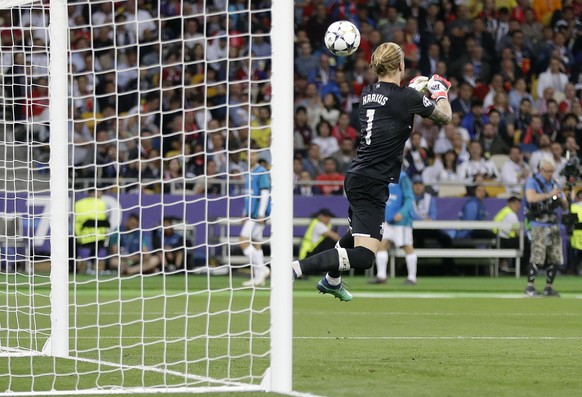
(252, 230)
(399, 235)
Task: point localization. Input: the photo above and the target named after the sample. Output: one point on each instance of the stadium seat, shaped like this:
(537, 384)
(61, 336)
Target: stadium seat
(452, 190)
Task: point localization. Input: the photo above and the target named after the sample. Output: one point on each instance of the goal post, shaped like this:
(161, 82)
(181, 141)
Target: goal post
(58, 343)
(282, 216)
(127, 138)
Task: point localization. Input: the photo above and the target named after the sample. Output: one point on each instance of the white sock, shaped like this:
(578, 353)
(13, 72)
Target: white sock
(257, 260)
(260, 267)
(411, 260)
(296, 268)
(333, 281)
(248, 251)
(381, 264)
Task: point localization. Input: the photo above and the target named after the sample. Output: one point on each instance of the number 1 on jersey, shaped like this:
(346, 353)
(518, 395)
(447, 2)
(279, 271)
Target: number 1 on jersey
(370, 116)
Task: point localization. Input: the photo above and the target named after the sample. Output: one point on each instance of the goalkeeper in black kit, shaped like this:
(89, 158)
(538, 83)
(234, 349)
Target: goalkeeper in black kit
(386, 115)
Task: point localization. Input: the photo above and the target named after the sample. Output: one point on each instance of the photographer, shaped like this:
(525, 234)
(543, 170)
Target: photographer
(543, 196)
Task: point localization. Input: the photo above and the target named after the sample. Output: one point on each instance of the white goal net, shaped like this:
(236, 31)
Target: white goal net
(135, 187)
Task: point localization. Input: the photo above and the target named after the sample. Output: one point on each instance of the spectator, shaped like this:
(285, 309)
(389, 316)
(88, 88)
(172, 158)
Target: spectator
(444, 142)
(317, 25)
(460, 148)
(541, 103)
(330, 174)
(304, 186)
(571, 148)
(501, 128)
(209, 182)
(553, 77)
(131, 249)
(391, 23)
(428, 63)
(323, 74)
(297, 168)
(514, 172)
(328, 145)
(345, 154)
(501, 104)
(551, 121)
(474, 210)
(343, 129)
(570, 98)
(306, 61)
(544, 150)
(495, 87)
(330, 112)
(518, 93)
(173, 176)
(261, 127)
(169, 246)
(532, 138)
(521, 50)
(570, 126)
(559, 161)
(319, 235)
(139, 20)
(477, 165)
(425, 209)
(313, 163)
(456, 121)
(491, 142)
(448, 171)
(473, 121)
(530, 27)
(302, 134)
(312, 102)
(192, 36)
(416, 158)
(523, 119)
(463, 103)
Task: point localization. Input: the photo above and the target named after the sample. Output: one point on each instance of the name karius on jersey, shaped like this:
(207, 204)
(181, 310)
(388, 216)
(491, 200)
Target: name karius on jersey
(381, 99)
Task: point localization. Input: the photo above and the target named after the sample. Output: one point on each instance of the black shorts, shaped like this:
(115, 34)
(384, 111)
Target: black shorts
(367, 197)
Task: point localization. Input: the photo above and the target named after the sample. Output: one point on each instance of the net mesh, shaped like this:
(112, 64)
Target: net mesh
(168, 107)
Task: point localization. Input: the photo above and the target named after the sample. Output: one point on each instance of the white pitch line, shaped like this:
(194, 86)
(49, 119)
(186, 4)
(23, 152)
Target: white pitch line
(460, 337)
(444, 314)
(439, 295)
(428, 337)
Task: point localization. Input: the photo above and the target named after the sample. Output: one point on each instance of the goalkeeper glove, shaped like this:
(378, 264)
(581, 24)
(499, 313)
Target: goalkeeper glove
(419, 83)
(438, 87)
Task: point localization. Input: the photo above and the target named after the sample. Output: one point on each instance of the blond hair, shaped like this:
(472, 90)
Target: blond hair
(386, 59)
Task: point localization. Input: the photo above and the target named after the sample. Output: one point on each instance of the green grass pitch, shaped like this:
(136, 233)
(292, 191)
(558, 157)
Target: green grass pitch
(473, 336)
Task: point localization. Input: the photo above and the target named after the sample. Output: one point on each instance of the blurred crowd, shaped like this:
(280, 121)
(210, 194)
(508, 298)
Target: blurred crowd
(516, 87)
(169, 95)
(165, 94)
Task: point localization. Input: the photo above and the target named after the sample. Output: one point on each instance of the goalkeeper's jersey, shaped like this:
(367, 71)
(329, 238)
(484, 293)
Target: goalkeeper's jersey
(386, 114)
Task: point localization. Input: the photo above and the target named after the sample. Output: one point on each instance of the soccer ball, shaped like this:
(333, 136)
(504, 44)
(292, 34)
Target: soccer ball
(342, 38)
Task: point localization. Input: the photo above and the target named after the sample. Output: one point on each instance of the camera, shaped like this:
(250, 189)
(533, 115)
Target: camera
(571, 170)
(545, 207)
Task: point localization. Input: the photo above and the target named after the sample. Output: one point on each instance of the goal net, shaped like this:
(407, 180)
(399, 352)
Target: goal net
(135, 192)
